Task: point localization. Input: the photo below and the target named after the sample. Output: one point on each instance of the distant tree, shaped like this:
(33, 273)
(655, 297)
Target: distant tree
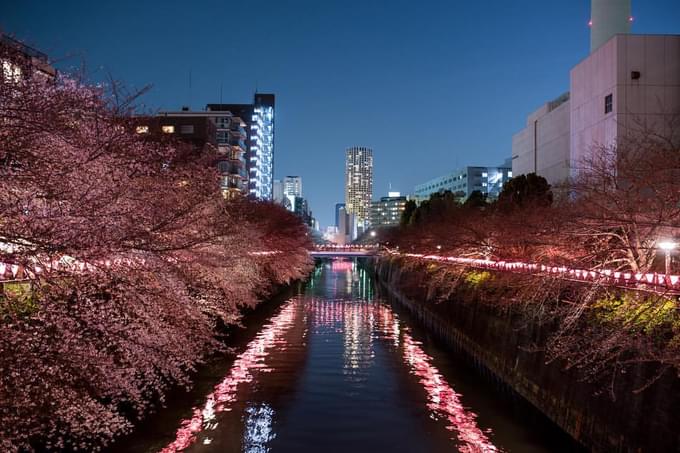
(476, 200)
(526, 190)
(406, 215)
(440, 206)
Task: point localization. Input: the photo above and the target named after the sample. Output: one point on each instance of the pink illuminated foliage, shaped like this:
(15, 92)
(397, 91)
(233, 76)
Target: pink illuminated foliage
(85, 354)
(605, 222)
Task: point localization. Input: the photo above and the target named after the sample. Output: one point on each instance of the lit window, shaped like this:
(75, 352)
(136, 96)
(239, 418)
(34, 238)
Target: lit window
(142, 129)
(168, 129)
(608, 103)
(509, 174)
(485, 174)
(10, 71)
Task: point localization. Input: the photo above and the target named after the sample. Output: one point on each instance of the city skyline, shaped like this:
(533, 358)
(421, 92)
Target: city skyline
(330, 89)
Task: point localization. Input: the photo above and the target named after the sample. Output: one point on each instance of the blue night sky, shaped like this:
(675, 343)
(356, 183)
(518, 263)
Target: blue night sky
(428, 85)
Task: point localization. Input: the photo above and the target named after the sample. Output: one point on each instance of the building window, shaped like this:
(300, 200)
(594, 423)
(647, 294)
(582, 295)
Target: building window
(142, 129)
(168, 129)
(608, 103)
(186, 129)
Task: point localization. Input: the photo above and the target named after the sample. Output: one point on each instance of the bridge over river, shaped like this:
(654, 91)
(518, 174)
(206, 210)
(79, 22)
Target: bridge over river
(343, 251)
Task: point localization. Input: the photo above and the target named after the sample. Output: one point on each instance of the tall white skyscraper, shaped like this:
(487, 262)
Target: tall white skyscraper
(359, 183)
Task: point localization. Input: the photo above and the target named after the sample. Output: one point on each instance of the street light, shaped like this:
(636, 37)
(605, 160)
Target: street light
(668, 247)
(373, 233)
(439, 247)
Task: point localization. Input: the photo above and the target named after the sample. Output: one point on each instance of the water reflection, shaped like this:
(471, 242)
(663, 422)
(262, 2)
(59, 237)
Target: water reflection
(258, 429)
(242, 371)
(336, 370)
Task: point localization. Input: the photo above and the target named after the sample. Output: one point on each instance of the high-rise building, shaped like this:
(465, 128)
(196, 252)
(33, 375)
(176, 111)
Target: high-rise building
(387, 211)
(462, 182)
(277, 191)
(259, 119)
(292, 185)
(338, 206)
(359, 183)
(261, 159)
(629, 84)
(347, 227)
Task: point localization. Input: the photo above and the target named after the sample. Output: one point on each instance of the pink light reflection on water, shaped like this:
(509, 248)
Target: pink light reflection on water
(442, 399)
(224, 393)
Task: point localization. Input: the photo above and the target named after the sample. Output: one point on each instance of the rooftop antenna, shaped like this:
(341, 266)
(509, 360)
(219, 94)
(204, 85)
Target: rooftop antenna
(190, 87)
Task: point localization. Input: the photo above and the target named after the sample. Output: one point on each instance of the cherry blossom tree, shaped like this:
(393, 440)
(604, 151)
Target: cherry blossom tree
(152, 259)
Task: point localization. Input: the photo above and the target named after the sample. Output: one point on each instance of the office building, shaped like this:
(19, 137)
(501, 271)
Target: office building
(347, 227)
(277, 191)
(387, 211)
(259, 119)
(338, 206)
(629, 84)
(292, 185)
(359, 183)
(462, 182)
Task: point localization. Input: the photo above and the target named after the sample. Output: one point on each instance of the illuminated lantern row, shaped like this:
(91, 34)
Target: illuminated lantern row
(17, 272)
(600, 276)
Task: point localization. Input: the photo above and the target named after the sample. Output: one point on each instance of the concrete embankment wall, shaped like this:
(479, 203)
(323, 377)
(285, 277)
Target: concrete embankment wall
(498, 341)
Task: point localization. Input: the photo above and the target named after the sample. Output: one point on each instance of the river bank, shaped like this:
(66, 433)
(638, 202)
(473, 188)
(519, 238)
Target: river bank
(502, 342)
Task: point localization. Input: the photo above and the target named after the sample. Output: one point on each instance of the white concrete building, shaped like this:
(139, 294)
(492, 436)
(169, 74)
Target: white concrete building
(543, 145)
(462, 182)
(628, 83)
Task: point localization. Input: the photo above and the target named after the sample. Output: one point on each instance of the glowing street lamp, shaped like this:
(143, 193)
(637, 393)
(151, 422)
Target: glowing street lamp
(668, 247)
(439, 248)
(373, 233)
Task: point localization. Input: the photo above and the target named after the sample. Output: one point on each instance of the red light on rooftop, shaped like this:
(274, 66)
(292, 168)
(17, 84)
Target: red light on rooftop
(631, 19)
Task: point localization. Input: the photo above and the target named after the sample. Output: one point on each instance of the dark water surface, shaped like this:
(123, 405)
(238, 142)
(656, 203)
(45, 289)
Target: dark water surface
(336, 369)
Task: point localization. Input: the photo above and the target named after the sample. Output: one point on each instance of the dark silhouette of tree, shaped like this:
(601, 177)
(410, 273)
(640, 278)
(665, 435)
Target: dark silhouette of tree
(409, 209)
(526, 190)
(476, 200)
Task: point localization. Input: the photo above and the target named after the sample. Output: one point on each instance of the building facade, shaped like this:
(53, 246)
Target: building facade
(628, 85)
(223, 130)
(387, 211)
(20, 61)
(487, 180)
(338, 206)
(347, 227)
(259, 141)
(292, 185)
(261, 158)
(359, 183)
(542, 147)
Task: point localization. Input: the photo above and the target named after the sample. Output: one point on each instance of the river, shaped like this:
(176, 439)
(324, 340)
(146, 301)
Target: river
(336, 368)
